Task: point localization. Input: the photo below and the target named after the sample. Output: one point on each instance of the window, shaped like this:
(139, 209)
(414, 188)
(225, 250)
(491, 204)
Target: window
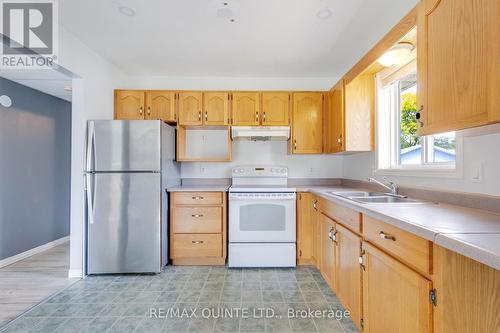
(399, 146)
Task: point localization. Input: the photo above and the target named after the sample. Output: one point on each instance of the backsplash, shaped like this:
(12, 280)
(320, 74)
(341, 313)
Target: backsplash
(268, 153)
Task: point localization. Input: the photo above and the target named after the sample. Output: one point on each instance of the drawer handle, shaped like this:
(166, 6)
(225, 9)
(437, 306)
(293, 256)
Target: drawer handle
(197, 198)
(197, 242)
(197, 215)
(383, 235)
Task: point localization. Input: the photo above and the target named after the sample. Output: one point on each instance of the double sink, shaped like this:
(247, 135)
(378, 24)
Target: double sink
(375, 197)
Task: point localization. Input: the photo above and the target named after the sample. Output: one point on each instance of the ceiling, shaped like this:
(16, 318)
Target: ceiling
(268, 38)
(49, 81)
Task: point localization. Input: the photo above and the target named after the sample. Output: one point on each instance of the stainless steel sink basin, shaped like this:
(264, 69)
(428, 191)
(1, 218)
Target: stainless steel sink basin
(384, 199)
(374, 197)
(357, 194)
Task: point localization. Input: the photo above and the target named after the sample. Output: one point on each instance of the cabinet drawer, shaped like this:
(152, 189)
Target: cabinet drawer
(413, 250)
(197, 219)
(197, 245)
(197, 198)
(348, 217)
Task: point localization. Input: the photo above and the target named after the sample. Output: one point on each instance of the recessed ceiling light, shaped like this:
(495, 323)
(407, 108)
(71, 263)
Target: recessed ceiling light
(231, 20)
(67, 88)
(5, 101)
(127, 11)
(324, 14)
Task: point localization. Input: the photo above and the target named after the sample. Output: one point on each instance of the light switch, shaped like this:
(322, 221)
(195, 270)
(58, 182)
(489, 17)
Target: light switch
(477, 172)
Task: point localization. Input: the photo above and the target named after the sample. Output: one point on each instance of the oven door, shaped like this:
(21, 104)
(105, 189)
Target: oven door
(262, 217)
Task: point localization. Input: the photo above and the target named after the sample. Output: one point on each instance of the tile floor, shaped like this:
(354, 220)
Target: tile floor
(206, 298)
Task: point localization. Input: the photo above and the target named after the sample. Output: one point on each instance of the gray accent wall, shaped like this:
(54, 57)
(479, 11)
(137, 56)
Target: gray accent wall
(35, 161)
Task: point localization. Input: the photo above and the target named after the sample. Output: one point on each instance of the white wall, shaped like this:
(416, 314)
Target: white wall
(92, 99)
(268, 153)
(233, 83)
(483, 149)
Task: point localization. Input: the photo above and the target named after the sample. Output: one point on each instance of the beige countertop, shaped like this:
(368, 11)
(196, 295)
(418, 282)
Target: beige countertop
(199, 188)
(470, 232)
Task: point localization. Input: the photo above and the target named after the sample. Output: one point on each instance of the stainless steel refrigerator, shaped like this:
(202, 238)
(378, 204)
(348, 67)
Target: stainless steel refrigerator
(129, 165)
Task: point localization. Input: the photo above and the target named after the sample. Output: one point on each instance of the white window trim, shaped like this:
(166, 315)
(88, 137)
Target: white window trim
(437, 170)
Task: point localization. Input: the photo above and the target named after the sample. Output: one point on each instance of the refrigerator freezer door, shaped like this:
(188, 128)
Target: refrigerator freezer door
(124, 234)
(123, 145)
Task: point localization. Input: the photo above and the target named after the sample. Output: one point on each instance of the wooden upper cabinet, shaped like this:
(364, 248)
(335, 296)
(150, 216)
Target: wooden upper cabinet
(359, 114)
(190, 108)
(160, 105)
(334, 135)
(348, 272)
(129, 104)
(275, 109)
(246, 108)
(327, 266)
(458, 64)
(395, 298)
(307, 123)
(216, 108)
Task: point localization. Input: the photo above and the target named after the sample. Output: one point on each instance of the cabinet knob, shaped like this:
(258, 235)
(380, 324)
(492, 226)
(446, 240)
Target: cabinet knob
(149, 110)
(295, 144)
(418, 116)
(197, 215)
(197, 242)
(339, 140)
(264, 117)
(197, 198)
(257, 116)
(141, 111)
(206, 115)
(199, 115)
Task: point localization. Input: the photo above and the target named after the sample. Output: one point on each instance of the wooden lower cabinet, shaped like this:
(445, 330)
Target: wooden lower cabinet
(304, 229)
(348, 272)
(468, 294)
(395, 298)
(316, 229)
(328, 239)
(198, 228)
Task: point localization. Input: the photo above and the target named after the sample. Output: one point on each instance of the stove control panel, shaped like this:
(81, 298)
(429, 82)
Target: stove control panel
(260, 171)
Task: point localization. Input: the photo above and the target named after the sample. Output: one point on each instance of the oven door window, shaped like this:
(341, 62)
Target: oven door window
(262, 217)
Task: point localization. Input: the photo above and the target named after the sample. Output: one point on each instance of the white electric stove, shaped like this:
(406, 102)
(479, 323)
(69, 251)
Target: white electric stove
(262, 218)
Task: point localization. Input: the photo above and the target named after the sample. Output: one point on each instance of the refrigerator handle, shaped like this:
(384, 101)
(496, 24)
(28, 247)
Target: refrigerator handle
(90, 197)
(90, 147)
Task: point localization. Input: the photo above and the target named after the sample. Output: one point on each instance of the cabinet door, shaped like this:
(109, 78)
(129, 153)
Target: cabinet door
(348, 271)
(216, 108)
(305, 228)
(246, 108)
(307, 123)
(129, 104)
(327, 266)
(458, 64)
(160, 105)
(190, 108)
(275, 108)
(316, 231)
(395, 298)
(334, 119)
(359, 114)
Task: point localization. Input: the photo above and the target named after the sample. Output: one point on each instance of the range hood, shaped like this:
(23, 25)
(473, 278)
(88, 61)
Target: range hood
(260, 133)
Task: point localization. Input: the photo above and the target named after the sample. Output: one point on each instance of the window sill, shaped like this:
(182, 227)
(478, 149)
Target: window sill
(438, 171)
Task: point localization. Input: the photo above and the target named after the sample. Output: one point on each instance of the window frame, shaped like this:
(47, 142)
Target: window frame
(393, 117)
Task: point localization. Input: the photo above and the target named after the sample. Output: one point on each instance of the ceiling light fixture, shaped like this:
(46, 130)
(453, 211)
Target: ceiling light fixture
(396, 55)
(5, 101)
(127, 11)
(324, 14)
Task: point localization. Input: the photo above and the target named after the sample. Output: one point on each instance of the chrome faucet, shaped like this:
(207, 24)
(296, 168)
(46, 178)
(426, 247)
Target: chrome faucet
(392, 187)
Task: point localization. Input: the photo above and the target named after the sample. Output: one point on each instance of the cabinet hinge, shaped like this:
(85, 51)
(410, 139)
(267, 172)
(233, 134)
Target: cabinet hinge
(362, 259)
(433, 297)
(362, 323)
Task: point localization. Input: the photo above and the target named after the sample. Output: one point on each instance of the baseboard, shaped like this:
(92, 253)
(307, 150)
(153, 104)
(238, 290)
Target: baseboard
(36, 250)
(75, 273)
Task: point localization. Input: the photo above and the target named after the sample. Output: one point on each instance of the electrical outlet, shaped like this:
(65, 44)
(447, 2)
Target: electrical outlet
(202, 169)
(477, 172)
(311, 171)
